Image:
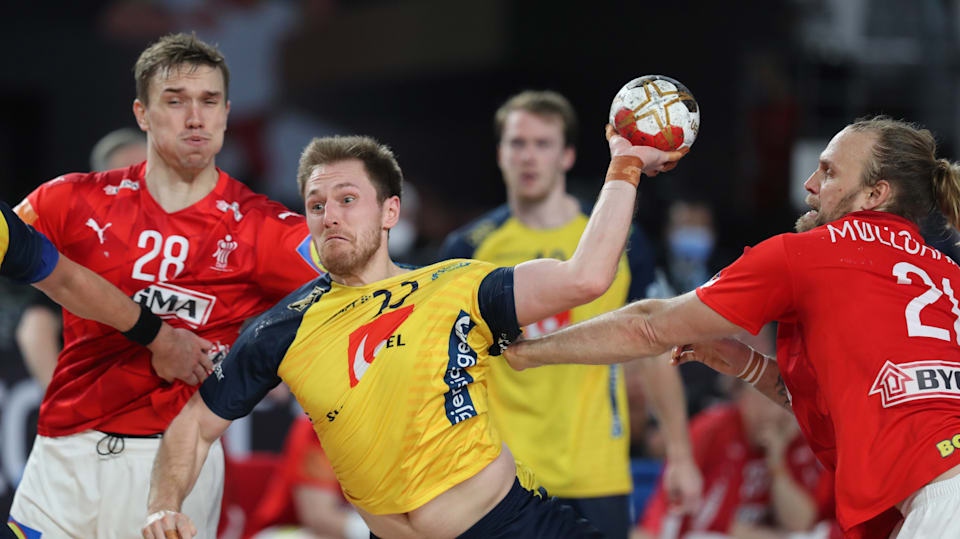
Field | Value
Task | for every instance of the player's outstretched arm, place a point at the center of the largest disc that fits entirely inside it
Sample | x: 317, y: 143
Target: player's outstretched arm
x: 545, y: 287
x: 177, y: 465
x: 733, y: 358
x: 177, y: 353
x: 641, y: 329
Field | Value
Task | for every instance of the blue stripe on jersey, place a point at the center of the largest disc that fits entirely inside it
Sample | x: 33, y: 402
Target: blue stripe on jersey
x: 30, y: 256
x: 457, y: 401
x: 250, y: 369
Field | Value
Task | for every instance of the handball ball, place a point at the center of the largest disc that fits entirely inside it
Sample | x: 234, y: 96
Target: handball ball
x: 657, y: 111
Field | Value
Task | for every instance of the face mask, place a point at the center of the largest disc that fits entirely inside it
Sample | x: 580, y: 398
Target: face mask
x: 691, y: 242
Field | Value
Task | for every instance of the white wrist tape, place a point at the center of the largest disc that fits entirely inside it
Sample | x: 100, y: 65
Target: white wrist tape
x: 157, y: 516
x: 753, y: 371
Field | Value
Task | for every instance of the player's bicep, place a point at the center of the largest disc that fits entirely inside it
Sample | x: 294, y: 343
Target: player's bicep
x: 545, y: 287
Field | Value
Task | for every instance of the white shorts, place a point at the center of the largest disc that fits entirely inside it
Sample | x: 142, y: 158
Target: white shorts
x: 69, y: 489
x: 931, y: 511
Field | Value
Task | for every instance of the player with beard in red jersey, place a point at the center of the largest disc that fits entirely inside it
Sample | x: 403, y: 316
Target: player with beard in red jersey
x: 868, y: 342
x: 187, y: 242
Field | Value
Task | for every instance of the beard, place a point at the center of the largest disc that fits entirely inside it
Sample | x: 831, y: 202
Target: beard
x: 349, y: 259
x: 817, y: 217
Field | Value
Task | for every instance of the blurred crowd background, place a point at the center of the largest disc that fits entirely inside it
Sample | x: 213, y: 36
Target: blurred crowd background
x: 774, y: 79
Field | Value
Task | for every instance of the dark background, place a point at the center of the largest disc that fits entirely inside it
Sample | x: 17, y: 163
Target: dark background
x: 426, y: 76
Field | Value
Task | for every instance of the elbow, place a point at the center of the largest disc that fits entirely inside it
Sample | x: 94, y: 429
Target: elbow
x: 641, y: 334
x: 592, y: 285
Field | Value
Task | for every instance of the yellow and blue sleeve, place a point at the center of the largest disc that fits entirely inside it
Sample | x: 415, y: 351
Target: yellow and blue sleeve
x: 26, y: 256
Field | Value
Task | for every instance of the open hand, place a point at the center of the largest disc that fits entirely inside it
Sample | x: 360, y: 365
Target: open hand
x: 726, y: 356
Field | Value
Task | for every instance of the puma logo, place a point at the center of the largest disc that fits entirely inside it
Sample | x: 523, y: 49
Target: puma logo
x: 96, y: 228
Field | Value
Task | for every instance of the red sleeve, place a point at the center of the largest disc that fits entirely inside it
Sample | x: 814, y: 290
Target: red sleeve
x: 48, y: 206
x: 284, y: 250
x: 755, y: 289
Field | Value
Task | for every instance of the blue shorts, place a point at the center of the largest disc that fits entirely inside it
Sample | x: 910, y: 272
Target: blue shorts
x: 531, y: 515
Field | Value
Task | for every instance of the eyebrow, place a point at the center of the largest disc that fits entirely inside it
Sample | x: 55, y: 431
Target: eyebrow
x: 180, y: 90
x: 336, y: 186
x: 826, y: 163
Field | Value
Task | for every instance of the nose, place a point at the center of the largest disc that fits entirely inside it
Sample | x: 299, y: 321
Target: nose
x: 331, y: 216
x: 812, y: 184
x: 194, y: 116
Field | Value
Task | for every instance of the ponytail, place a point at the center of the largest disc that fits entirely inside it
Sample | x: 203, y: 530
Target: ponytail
x: 946, y: 190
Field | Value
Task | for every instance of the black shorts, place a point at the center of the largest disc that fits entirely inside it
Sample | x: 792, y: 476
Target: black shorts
x: 609, y: 514
x: 530, y: 514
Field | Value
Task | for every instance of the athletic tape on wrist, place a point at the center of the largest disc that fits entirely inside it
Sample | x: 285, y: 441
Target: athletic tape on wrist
x: 627, y: 168
x: 153, y: 517
x: 146, y: 328
x: 754, y: 369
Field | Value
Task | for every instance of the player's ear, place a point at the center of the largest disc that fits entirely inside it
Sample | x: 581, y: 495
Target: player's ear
x: 140, y: 113
x: 878, y: 195
x: 569, y: 158
x: 390, y: 213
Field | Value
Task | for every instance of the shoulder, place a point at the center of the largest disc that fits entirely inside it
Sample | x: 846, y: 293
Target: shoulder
x: 463, y: 242
x: 277, y: 322
x: 257, y: 206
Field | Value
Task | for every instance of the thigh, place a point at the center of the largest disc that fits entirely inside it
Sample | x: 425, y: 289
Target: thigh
x: 609, y: 514
x: 58, y: 494
x: 125, y: 484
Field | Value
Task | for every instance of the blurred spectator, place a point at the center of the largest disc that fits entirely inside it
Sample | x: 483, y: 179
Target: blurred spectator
x: 690, y: 240
x: 119, y: 149
x: 302, y: 497
x: 760, y: 476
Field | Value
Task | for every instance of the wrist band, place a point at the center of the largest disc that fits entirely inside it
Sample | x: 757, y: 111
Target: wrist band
x: 626, y: 168
x: 146, y: 328
x: 756, y: 366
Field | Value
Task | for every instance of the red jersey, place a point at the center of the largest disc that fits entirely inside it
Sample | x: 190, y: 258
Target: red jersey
x: 867, y: 346
x: 207, y: 267
x: 736, y: 480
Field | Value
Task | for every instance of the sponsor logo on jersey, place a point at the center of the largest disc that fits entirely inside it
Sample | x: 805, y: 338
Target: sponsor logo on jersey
x: 458, y: 404
x: 948, y: 446
x: 224, y: 206
x: 315, y: 294
x: 284, y: 215
x: 367, y: 341
x: 309, y: 254
x: 905, y: 382
x: 171, y: 301
x: 225, y: 246
x: 218, y: 352
x: 124, y: 184
x: 96, y: 228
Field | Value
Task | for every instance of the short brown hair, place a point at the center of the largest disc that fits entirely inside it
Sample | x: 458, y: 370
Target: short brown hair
x: 378, y: 160
x: 540, y: 103
x: 172, y: 51
x: 905, y: 155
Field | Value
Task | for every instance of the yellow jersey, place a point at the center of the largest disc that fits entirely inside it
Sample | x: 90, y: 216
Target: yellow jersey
x: 26, y: 256
x: 569, y: 423
x: 392, y: 374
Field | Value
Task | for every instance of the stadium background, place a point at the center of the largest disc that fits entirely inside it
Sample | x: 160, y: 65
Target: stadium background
x: 774, y: 80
